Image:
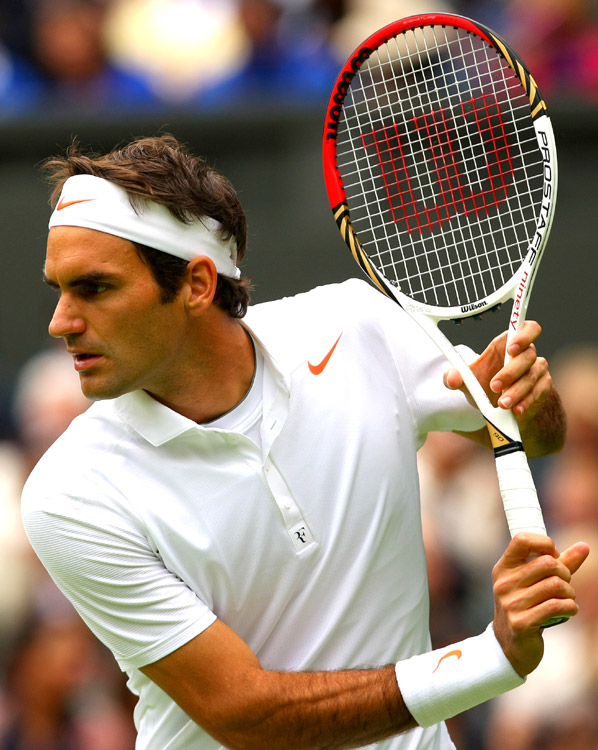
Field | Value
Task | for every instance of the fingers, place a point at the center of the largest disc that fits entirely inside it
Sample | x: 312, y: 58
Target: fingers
x: 528, y: 333
x: 532, y: 582
x: 524, y: 546
x: 524, y: 381
x: 532, y: 587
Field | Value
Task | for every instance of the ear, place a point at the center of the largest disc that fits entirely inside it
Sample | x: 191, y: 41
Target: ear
x: 202, y: 278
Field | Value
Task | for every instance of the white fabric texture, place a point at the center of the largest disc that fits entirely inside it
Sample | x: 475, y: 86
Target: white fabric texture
x: 440, y: 684
x: 309, y: 546
x: 94, y: 203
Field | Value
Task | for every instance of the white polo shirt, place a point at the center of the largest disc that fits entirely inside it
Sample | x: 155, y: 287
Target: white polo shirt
x: 308, y: 546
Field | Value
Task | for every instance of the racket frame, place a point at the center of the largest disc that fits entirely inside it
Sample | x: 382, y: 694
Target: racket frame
x: 512, y: 469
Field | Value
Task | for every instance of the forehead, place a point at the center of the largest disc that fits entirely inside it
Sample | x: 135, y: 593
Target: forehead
x: 75, y: 250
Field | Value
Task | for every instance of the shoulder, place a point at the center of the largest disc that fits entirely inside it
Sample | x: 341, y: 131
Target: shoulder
x: 71, y: 463
x: 350, y: 303
x: 321, y: 296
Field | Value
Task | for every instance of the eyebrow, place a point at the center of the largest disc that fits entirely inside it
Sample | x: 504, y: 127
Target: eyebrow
x: 93, y: 277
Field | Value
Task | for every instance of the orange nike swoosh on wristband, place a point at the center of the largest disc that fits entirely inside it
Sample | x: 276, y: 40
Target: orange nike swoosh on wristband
x: 65, y: 204
x: 456, y: 653
x: 319, y: 369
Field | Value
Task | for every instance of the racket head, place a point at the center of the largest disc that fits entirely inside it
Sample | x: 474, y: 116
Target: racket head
x: 440, y: 165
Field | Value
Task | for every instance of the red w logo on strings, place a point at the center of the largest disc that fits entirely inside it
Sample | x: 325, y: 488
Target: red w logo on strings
x: 448, y: 162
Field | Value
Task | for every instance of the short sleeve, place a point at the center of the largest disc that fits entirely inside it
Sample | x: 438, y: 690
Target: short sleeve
x: 105, y: 566
x: 420, y: 366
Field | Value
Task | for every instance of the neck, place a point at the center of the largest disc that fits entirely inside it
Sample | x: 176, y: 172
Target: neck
x: 217, y: 376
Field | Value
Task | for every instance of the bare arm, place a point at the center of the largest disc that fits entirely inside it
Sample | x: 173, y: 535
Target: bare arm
x: 218, y: 681
x: 220, y: 684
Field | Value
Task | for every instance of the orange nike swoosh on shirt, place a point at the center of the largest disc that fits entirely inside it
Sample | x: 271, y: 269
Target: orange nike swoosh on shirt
x: 65, y: 204
x: 318, y: 369
x: 456, y: 653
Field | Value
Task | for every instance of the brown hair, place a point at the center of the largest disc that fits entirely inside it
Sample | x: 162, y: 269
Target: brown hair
x: 163, y: 170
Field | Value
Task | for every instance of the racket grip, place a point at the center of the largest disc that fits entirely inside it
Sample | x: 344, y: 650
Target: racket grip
x: 520, y: 501
x: 519, y: 495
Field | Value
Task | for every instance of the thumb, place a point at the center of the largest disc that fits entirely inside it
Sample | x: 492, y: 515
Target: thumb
x: 453, y: 379
x: 575, y: 555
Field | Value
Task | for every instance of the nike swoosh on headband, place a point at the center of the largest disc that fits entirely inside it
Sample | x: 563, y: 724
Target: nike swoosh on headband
x: 65, y: 204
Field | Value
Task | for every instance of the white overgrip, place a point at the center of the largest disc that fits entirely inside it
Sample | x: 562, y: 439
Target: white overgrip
x: 519, y: 495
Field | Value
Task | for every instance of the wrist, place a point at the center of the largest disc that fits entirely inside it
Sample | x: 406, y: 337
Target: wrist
x: 443, y: 683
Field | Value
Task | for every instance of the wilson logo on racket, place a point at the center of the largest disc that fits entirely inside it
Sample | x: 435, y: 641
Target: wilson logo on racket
x: 474, y: 133
x: 342, y: 87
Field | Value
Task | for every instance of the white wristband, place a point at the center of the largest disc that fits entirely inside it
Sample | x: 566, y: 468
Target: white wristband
x: 440, y: 684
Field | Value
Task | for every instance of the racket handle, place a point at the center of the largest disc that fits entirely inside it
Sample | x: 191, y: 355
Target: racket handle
x: 519, y: 495
x: 520, y: 501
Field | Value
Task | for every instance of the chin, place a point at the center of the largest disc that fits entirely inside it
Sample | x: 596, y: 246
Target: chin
x: 102, y: 391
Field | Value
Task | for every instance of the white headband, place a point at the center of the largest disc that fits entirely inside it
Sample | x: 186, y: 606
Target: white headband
x: 94, y: 203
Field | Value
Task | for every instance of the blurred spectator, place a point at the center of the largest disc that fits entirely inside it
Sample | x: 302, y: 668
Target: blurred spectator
x: 53, y: 700
x: 575, y: 373
x: 289, y: 58
x: 178, y: 46
x: 67, y: 42
x: 126, y: 55
x: 215, y: 52
x: 558, y: 39
x: 47, y: 397
x: 20, y: 86
x: 46, y: 668
x: 556, y: 708
x: 463, y: 512
x: 489, y: 12
x: 20, y: 83
x: 569, y: 484
x: 364, y: 17
x: 60, y: 689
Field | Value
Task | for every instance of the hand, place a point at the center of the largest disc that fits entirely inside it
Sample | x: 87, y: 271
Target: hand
x: 532, y: 584
x: 523, y: 384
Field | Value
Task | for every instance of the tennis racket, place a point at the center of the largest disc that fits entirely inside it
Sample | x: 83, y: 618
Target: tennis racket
x: 441, y: 171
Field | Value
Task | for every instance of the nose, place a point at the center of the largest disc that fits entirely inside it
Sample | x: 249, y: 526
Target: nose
x: 66, y: 320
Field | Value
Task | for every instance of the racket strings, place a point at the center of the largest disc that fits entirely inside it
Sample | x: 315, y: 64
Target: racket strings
x: 440, y: 164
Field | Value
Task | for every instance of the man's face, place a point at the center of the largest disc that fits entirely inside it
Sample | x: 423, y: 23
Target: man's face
x: 121, y: 336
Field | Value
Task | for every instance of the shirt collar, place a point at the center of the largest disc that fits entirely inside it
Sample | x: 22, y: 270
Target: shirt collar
x: 158, y: 424
x: 152, y: 420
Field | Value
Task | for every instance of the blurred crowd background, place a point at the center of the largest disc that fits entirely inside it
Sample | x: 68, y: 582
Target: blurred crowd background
x: 143, y: 54
x: 59, y: 688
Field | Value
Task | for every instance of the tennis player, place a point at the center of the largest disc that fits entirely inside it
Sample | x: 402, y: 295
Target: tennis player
x: 237, y: 517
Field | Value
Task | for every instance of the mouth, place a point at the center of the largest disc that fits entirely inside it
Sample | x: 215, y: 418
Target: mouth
x: 85, y: 360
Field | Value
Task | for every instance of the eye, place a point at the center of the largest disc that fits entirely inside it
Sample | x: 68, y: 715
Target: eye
x: 92, y: 289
